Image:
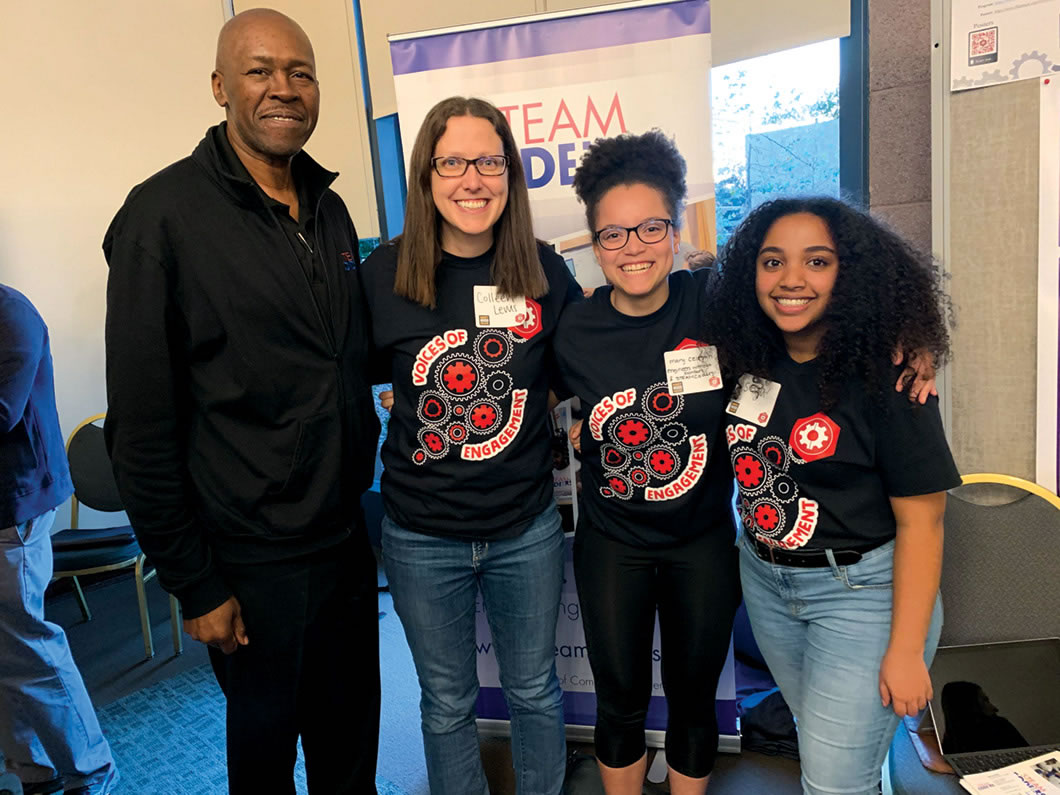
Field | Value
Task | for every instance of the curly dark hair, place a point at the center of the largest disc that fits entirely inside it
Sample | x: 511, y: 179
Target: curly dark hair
x: 887, y: 297
x: 648, y: 159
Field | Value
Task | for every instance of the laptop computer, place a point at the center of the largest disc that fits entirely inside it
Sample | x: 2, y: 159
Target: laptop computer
x: 996, y: 704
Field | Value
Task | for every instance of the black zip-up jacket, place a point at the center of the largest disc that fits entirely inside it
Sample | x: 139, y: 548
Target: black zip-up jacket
x: 240, y: 420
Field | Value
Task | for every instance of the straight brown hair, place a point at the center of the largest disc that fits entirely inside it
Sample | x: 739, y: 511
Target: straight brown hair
x: 516, y: 268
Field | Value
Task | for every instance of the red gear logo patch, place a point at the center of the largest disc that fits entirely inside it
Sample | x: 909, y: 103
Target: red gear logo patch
x: 633, y: 433
x: 460, y: 377
x: 815, y: 437
x: 749, y: 471
x: 531, y: 326
x: 766, y: 516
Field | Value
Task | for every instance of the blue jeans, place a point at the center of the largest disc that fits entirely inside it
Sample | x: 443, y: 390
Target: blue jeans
x: 823, y: 632
x: 434, y: 582
x: 48, y: 727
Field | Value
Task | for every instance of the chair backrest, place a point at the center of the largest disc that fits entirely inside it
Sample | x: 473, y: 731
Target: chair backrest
x: 1000, y: 578
x: 90, y: 469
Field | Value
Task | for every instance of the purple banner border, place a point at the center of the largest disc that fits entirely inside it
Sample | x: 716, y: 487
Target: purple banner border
x: 551, y: 36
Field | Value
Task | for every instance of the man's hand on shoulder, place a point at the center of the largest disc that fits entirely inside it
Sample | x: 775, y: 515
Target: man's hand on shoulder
x: 221, y: 628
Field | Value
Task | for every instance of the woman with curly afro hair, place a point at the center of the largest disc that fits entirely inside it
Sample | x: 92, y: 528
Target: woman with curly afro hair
x: 655, y: 532
x: 842, y: 480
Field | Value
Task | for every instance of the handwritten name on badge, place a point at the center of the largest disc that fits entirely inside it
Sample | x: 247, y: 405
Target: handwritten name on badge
x: 493, y: 311
x: 753, y: 399
x: 693, y: 370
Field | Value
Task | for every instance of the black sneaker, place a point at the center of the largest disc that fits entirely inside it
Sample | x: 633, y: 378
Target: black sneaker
x: 43, y: 787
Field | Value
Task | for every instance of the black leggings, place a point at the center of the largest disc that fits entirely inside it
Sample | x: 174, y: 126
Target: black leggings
x: 696, y: 587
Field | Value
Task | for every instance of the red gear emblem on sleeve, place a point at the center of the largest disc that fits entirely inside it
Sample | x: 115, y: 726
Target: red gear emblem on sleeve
x: 814, y: 438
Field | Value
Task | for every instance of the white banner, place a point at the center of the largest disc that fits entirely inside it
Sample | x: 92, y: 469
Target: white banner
x: 564, y: 80
x: 997, y: 41
x: 1048, y: 448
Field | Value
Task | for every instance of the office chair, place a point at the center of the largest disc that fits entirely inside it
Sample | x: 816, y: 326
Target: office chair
x: 79, y: 551
x: 999, y: 583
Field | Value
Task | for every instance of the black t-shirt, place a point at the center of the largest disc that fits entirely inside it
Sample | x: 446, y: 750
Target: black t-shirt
x: 467, y: 452
x: 817, y: 480
x: 646, y: 479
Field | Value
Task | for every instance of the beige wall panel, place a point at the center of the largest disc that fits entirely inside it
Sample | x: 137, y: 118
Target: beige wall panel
x: 115, y: 91
x: 340, y: 141
x: 741, y: 28
x: 994, y: 265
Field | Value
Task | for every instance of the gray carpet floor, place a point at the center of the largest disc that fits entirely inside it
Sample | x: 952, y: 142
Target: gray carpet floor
x: 164, y: 716
x: 168, y: 739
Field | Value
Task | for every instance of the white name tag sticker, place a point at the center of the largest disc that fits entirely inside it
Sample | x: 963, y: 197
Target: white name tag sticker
x: 693, y: 370
x: 493, y: 311
x: 753, y: 399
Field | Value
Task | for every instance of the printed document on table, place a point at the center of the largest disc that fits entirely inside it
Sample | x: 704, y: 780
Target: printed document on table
x: 1038, y: 776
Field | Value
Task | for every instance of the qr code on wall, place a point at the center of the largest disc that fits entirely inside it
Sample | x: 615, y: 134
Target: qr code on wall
x: 982, y: 46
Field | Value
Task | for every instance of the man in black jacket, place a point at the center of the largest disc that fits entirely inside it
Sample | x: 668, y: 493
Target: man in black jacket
x: 240, y: 418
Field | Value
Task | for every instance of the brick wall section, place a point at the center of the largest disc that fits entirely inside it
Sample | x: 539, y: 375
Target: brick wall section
x: 900, y: 116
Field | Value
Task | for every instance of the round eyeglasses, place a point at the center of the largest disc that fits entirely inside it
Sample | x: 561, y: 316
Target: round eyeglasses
x: 487, y: 166
x: 651, y: 231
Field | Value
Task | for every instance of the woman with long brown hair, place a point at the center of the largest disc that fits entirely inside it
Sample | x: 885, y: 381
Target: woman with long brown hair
x: 464, y: 304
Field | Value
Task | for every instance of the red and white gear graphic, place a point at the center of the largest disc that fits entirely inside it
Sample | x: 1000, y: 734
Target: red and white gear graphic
x: 432, y: 445
x: 749, y: 471
x: 493, y: 348
x: 633, y: 433
x: 767, y: 518
x: 775, y: 452
x: 433, y: 407
x: 469, y: 395
x: 631, y: 430
x: 658, y: 401
x: 498, y: 384
x: 784, y: 488
x: 484, y: 416
x: 673, y: 434
x: 663, y: 462
x: 612, y: 457
x: 617, y: 486
x: 815, y: 437
x: 531, y: 324
x: 459, y: 376
x: 745, y: 513
x: 638, y: 476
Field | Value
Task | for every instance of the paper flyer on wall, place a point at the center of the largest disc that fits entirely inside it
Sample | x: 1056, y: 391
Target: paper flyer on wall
x: 999, y: 41
x: 1038, y: 776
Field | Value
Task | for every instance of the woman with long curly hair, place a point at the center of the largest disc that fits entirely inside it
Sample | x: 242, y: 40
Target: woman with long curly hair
x: 464, y: 307
x: 842, y: 480
x: 655, y: 532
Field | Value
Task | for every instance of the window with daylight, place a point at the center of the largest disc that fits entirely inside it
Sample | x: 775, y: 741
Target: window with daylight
x: 776, y: 129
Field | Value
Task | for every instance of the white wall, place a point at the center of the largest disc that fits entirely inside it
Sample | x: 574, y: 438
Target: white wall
x: 99, y: 97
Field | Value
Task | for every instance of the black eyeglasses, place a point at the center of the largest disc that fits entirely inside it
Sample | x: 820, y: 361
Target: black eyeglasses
x: 651, y: 231
x: 487, y: 166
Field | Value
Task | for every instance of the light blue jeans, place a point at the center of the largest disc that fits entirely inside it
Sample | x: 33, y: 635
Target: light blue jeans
x: 823, y: 632
x: 434, y: 582
x: 48, y: 727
